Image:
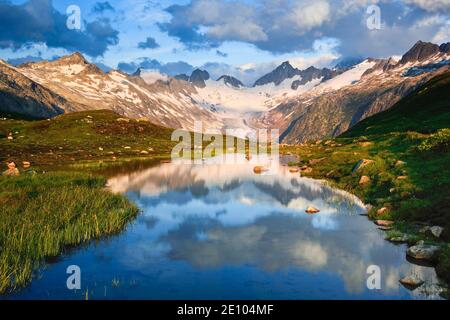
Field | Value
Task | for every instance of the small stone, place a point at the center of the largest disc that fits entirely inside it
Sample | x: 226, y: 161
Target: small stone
x: 384, y: 223
x: 361, y: 164
x: 100, y: 148
x: 385, y: 228
x: 382, y: 211
x: 402, y: 178
x: 10, y: 138
x: 364, y: 180
x: 312, y: 210
x: 392, y: 190
x: 144, y: 152
x: 259, y: 169
x: 307, y: 169
x: 294, y: 170
x: 127, y: 147
x: 26, y: 164
x: 12, y: 170
x: 405, y: 195
x: 412, y: 281
x: 316, y: 161
x: 329, y: 174
x: 400, y: 163
x: 365, y: 144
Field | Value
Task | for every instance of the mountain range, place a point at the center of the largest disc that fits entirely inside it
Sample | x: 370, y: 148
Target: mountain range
x: 305, y: 105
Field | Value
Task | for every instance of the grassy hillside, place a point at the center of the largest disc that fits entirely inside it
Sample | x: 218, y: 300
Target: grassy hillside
x: 409, y: 178
x: 81, y: 136
x: 59, y: 201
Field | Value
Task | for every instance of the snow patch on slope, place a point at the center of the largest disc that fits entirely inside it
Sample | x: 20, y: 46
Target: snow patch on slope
x: 347, y: 78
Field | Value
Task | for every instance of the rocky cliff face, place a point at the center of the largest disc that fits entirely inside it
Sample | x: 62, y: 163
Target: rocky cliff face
x: 231, y: 81
x: 277, y: 76
x: 21, y: 95
x: 85, y: 86
x: 327, y: 113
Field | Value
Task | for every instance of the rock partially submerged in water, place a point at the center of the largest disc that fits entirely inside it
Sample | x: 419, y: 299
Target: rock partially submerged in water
x: 294, y: 170
x: 384, y: 223
x: 422, y: 251
x: 259, y: 169
x: 312, y: 210
x: 399, y: 239
x: 411, y: 282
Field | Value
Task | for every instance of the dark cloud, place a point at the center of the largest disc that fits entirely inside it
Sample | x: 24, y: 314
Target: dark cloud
x: 18, y: 61
x: 36, y: 21
x: 101, y: 7
x: 149, y: 43
x: 283, y: 26
x: 221, y: 54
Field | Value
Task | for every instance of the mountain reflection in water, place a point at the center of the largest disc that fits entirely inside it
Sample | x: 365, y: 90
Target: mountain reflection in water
x: 219, y: 231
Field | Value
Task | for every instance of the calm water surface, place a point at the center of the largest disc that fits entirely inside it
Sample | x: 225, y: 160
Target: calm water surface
x: 215, y: 231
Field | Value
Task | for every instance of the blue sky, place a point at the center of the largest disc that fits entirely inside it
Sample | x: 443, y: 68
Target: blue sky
x: 244, y: 38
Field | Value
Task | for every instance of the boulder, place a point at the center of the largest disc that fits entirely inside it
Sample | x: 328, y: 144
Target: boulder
x: 364, y: 180
x: 412, y: 281
x: 436, y: 231
x: 294, y: 170
x: 422, y: 251
x: 361, y: 164
x: 12, y: 170
x: 312, y: 210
